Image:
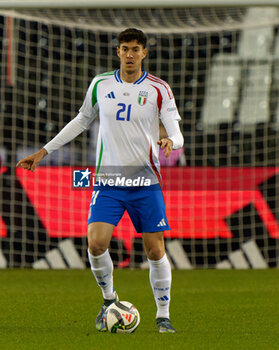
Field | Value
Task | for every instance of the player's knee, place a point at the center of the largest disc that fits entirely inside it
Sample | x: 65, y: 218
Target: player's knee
x: 95, y: 248
x: 155, y: 253
x: 98, y: 239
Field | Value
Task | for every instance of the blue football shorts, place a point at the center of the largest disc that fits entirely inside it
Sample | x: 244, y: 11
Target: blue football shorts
x: 145, y: 206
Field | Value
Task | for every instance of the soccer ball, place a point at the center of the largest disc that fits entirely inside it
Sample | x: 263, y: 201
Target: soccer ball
x: 122, y: 317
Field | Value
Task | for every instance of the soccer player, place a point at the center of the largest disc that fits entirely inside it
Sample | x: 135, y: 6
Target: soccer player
x: 130, y: 102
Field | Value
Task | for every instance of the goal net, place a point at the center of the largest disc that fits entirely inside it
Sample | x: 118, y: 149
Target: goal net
x: 220, y: 190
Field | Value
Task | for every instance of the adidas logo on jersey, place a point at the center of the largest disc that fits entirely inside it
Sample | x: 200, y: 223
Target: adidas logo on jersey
x: 110, y: 95
x: 162, y: 223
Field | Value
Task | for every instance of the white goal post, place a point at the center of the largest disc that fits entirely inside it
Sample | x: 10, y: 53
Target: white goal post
x: 221, y: 61
x: 89, y: 4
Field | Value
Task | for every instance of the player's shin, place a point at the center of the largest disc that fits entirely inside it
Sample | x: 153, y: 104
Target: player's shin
x: 160, y: 280
x: 102, y: 268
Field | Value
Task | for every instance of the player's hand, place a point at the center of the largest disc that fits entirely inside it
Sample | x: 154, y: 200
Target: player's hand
x: 166, y: 145
x: 32, y: 161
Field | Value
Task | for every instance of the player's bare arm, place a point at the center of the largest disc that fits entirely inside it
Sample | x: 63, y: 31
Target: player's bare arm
x: 32, y: 161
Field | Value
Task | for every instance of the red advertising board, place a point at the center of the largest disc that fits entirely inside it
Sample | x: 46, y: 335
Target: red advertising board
x: 198, y: 200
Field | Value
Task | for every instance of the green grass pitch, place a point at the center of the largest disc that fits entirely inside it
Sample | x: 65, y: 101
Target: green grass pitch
x: 211, y: 310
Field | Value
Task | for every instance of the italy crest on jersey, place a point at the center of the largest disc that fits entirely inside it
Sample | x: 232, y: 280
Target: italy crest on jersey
x: 142, y: 97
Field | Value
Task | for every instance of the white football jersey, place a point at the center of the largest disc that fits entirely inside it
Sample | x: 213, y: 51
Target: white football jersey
x: 129, y: 123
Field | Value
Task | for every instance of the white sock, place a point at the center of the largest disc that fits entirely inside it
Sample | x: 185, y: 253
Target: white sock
x: 160, y: 280
x: 102, y: 268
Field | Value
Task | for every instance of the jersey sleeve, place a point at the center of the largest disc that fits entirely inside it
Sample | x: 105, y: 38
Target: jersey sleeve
x: 168, y: 109
x: 90, y: 106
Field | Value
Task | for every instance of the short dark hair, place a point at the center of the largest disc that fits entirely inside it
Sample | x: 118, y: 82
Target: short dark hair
x: 131, y: 34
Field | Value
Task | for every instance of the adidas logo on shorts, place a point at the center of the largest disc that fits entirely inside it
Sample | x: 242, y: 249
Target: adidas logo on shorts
x: 162, y: 223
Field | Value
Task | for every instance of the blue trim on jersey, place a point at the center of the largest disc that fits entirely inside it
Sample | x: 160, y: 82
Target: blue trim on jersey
x: 117, y: 76
x: 141, y: 78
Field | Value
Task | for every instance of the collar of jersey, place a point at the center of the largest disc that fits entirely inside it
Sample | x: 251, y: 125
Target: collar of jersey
x: 119, y: 80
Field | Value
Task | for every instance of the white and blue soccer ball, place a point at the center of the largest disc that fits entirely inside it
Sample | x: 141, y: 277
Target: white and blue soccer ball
x: 122, y: 317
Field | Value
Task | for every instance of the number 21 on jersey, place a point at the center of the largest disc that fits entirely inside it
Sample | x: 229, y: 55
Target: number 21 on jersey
x: 124, y: 112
